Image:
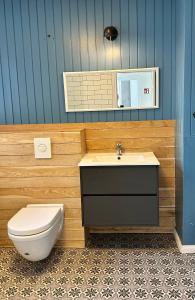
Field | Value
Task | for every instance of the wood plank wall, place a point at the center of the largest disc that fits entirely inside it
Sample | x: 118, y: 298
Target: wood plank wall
x: 24, y: 179
x: 20, y: 173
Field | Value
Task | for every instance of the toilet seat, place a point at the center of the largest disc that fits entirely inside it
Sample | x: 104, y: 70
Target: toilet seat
x: 33, y: 220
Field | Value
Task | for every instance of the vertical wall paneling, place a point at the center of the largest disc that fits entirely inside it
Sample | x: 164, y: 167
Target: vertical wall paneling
x: 185, y: 141
x: 42, y: 38
x: 36, y: 61
x: 2, y: 102
x: 99, y: 25
x: 133, y: 40
x: 159, y: 14
x: 105, y: 10
x: 25, y: 13
x: 67, y: 42
x: 12, y: 58
x: 21, y: 64
x: 142, y: 43
x: 167, y: 59
x: 95, y: 10
x: 125, y: 48
x: 116, y: 50
x: 116, y: 45
x: 83, y: 37
x: 49, y: 13
x: 173, y: 60
x: 75, y: 33
x: 84, y: 43
x: 60, y: 63
x: 44, y: 61
x: 91, y: 24
x: 188, y: 138
x: 150, y: 39
x: 193, y: 73
x: 180, y: 62
x: 5, y: 68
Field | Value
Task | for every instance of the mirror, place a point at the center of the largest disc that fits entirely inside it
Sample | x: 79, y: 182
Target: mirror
x: 112, y: 90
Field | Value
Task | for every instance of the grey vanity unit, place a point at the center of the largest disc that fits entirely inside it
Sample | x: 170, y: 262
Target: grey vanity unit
x: 120, y: 192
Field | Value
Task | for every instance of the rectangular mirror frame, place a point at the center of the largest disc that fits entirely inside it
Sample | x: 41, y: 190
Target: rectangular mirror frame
x: 87, y: 73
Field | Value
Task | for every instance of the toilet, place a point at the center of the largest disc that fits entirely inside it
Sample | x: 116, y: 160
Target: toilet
x: 35, y: 229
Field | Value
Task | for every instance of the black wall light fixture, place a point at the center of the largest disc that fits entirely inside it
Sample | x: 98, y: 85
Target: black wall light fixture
x: 110, y: 33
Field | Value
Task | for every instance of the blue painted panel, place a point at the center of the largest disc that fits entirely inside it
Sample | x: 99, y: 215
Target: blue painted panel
x: 193, y: 72
x: 60, y: 61
x: 167, y: 60
x: 21, y: 64
x: 180, y: 62
x: 26, y: 32
x: 141, y: 43
x: 51, y: 46
x: 2, y: 101
x: 74, y: 29
x: 116, y: 54
x: 42, y: 35
x: 67, y: 43
x: 41, y: 39
x: 159, y: 59
x: 189, y: 192
x: 173, y: 45
x: 125, y: 49
x: 5, y: 68
x: 84, y: 49
x: 185, y: 141
x: 36, y: 62
x: 12, y: 61
x: 133, y: 40
x: 150, y: 42
x: 107, y: 20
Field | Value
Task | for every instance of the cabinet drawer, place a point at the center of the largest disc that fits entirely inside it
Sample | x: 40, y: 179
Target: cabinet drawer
x: 120, y: 210
x: 119, y: 180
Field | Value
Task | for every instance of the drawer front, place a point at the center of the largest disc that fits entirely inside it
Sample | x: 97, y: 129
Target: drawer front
x: 120, y: 210
x: 119, y: 180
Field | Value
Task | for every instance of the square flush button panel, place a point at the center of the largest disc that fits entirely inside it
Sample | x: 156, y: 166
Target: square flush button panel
x: 42, y: 147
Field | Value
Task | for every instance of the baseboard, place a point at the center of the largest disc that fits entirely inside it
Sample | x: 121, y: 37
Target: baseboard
x: 183, y: 248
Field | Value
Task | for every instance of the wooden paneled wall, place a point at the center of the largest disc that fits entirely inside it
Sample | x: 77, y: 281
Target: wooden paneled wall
x: 26, y: 180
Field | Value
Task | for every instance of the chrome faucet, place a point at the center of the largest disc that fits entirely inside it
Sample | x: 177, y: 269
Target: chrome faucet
x: 119, y: 149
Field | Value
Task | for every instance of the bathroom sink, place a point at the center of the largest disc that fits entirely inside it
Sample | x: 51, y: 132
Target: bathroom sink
x: 111, y: 159
x: 119, y: 159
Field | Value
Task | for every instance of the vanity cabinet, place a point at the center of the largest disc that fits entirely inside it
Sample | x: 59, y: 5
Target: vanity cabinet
x: 119, y: 195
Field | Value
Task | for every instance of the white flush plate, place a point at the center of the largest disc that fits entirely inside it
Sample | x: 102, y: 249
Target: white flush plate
x: 42, y: 147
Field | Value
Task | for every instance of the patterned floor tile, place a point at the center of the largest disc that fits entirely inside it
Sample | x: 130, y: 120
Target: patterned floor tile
x: 130, y: 266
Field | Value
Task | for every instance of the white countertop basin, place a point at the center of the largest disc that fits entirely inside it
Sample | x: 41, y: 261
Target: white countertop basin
x: 111, y: 159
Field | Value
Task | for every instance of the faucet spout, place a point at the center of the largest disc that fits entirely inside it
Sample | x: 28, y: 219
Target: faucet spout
x: 119, y: 149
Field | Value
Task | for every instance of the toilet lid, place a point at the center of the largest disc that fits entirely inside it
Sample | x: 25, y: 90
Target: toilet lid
x: 33, y: 220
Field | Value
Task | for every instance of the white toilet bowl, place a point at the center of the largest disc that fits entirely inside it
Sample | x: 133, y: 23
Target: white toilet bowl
x: 35, y: 229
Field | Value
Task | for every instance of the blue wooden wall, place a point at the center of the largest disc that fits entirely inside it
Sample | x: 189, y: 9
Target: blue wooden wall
x: 189, y: 126
x: 185, y: 135
x: 180, y: 67
x: 39, y: 39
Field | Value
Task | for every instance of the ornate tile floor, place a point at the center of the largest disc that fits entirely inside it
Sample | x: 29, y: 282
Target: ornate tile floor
x: 136, y: 267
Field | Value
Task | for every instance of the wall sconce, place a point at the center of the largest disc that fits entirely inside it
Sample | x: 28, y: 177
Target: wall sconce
x: 110, y: 33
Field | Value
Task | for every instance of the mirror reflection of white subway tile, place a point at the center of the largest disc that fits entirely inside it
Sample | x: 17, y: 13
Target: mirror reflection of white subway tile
x: 112, y: 90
